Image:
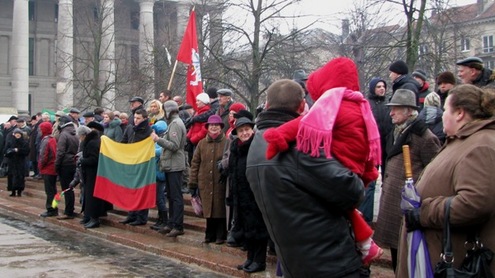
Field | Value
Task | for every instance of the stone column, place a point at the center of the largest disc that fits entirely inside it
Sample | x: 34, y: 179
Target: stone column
x: 20, y: 56
x: 65, y: 53
x: 107, y: 50
x: 146, y: 45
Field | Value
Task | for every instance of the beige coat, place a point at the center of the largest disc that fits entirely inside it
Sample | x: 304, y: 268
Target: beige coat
x: 205, y: 174
x: 464, y: 168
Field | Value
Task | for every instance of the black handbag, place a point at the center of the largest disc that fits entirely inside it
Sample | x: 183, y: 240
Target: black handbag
x: 477, y: 261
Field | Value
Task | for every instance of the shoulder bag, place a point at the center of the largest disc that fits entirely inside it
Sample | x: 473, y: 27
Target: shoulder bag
x: 476, y: 262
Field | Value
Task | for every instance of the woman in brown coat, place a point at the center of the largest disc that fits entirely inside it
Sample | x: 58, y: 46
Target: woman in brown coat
x: 463, y: 169
x: 205, y: 176
x: 424, y: 145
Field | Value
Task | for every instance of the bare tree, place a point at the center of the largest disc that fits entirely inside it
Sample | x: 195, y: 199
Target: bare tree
x: 253, y: 50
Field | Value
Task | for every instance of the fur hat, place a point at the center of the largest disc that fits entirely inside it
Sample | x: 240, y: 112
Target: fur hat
x: 399, y: 67
x: 446, y: 77
x: 204, y: 98
x: 96, y: 126
x: 419, y: 74
x: 339, y: 72
x: 244, y: 113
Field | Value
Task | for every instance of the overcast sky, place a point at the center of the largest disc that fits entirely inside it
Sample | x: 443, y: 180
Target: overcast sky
x: 331, y: 12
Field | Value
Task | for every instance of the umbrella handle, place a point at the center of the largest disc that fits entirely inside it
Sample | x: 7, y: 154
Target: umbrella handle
x: 407, y: 161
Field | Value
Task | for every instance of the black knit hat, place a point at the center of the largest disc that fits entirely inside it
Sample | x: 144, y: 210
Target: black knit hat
x: 399, y: 67
x: 420, y: 74
x: 446, y: 77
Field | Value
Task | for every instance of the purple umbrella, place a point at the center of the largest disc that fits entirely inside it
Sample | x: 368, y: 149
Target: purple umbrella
x: 418, y: 258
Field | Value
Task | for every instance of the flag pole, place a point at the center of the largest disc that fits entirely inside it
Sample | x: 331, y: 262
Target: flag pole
x: 175, y: 66
x: 172, y: 76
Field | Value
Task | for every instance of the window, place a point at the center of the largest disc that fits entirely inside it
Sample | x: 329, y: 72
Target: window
x: 56, y: 13
x: 31, y: 56
x: 487, y: 44
x: 135, y: 20
x: 465, y: 44
x: 31, y: 11
x: 489, y: 64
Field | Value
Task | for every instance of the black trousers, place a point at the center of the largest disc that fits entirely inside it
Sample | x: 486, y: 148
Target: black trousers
x: 256, y: 250
x: 175, y: 200
x: 66, y: 175
x: 216, y: 229
x: 50, y: 182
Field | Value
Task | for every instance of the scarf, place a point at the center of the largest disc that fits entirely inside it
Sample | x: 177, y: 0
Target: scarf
x: 316, y: 127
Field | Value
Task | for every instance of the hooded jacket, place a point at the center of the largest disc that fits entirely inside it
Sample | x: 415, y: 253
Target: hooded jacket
x: 173, y: 157
x: 113, y: 130
x: 381, y: 112
x: 48, y: 150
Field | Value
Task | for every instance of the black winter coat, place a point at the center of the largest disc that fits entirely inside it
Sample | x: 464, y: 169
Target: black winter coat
x: 407, y: 82
x: 381, y: 113
x: 304, y: 202
x: 93, y: 207
x: 249, y: 213
x: 16, y: 162
x: 137, y: 133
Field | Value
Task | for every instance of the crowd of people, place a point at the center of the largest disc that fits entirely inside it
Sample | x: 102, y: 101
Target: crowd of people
x: 300, y: 174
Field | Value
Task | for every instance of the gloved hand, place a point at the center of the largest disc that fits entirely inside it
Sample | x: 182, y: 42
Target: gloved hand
x: 412, y: 220
x: 194, y: 191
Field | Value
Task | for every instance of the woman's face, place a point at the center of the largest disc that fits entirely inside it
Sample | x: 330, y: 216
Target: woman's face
x: 199, y: 103
x: 154, y: 108
x: 449, y: 118
x: 231, y: 116
x: 244, y: 132
x: 214, y: 129
x: 106, y: 119
x: 17, y: 135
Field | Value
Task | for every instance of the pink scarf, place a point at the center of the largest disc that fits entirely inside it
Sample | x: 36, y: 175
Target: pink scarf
x: 316, y: 127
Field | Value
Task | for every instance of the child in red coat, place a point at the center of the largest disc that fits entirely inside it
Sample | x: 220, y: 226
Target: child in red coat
x: 340, y: 124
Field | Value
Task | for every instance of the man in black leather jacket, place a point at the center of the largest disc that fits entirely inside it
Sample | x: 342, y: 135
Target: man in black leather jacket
x: 303, y: 199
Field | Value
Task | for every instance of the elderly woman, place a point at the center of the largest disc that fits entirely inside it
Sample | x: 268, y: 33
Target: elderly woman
x: 463, y: 169
x: 205, y: 176
x: 255, y: 233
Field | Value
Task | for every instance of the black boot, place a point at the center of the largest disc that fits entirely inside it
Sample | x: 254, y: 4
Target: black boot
x: 12, y: 194
x: 127, y: 220
x: 161, y: 222
x: 19, y: 193
x: 93, y: 223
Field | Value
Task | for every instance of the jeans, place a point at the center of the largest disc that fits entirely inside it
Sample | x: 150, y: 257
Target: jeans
x: 50, y: 190
x: 366, y: 207
x: 175, y: 200
x: 66, y: 175
x: 161, y: 201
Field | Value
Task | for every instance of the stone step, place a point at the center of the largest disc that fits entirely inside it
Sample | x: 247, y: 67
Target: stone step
x: 187, y: 248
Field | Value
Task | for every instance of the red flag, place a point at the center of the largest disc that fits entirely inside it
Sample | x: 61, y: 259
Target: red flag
x: 189, y: 54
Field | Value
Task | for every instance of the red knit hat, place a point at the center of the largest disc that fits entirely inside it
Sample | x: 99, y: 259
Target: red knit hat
x: 339, y: 72
x: 236, y: 107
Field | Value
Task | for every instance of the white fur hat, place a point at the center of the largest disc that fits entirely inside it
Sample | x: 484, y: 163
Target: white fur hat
x: 204, y: 98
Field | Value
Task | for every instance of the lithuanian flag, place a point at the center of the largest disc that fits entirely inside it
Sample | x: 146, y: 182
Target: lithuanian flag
x: 126, y: 174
